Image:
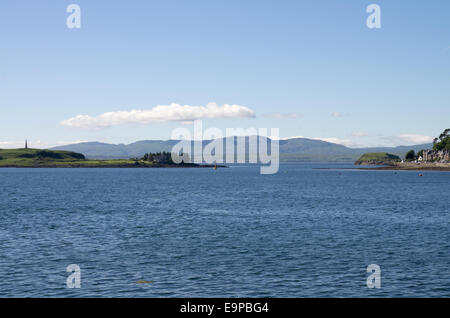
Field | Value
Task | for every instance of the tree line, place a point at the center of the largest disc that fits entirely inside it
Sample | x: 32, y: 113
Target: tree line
x: 160, y: 158
x: 443, y: 141
x: 439, y: 143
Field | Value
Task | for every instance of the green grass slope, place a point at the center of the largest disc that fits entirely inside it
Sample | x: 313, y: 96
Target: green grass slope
x: 39, y: 158
x: 377, y: 158
x: 33, y: 157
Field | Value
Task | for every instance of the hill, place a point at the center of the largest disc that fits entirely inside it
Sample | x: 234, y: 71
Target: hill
x: 43, y: 158
x: 377, y: 158
x: 291, y: 150
x: 33, y: 157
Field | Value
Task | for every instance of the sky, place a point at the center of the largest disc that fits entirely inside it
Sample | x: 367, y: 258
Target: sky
x: 136, y: 70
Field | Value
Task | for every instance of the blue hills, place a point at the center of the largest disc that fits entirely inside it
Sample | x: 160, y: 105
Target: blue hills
x: 291, y: 150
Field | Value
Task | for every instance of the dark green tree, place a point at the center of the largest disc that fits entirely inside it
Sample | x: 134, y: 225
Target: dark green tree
x: 443, y: 142
x: 159, y: 157
x: 410, y: 155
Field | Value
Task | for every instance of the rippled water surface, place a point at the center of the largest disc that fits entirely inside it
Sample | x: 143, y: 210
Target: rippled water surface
x: 303, y: 232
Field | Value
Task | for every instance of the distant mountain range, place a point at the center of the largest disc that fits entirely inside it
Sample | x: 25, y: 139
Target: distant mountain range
x: 291, y: 150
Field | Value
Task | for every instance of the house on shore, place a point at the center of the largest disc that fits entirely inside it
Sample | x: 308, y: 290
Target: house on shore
x: 436, y: 156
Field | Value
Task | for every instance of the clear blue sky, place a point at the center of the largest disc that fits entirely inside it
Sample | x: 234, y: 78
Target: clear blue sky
x: 311, y: 68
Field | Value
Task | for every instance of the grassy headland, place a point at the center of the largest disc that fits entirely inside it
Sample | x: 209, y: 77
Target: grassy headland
x: 377, y: 158
x: 436, y: 159
x: 392, y: 162
x: 39, y: 158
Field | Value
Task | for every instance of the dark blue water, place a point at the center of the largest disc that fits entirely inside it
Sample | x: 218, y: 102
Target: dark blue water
x: 231, y: 232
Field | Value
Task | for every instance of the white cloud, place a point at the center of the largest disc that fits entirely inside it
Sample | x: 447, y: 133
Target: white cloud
x: 11, y: 144
x: 38, y: 144
x: 281, y: 116
x: 359, y: 134
x: 338, y: 114
x: 160, y: 113
x: 339, y: 141
x: 285, y: 138
x: 409, y: 139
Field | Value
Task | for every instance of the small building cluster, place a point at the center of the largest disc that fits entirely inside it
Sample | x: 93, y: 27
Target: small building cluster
x: 436, y: 156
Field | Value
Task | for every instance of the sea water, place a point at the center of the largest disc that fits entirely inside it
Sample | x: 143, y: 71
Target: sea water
x: 231, y: 232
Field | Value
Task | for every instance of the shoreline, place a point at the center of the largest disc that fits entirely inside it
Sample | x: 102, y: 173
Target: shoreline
x: 412, y: 167
x: 408, y: 168
x: 43, y: 158
x: 111, y: 166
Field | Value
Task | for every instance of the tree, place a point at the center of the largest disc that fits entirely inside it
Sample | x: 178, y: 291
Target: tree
x: 443, y: 142
x: 410, y: 155
x: 444, y: 134
x: 159, y: 157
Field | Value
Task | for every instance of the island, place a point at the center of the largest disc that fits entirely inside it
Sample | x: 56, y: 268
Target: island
x: 43, y: 158
x: 378, y: 158
x: 437, y: 158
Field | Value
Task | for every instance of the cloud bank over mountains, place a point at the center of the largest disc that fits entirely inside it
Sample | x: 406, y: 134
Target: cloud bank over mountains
x: 409, y: 139
x: 281, y: 116
x: 186, y: 114
x: 160, y: 113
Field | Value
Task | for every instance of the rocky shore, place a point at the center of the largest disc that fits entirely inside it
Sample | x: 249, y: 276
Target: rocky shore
x: 420, y: 166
